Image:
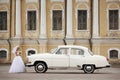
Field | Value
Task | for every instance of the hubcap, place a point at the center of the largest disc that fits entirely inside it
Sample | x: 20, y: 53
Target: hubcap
x: 40, y: 67
x: 88, y: 68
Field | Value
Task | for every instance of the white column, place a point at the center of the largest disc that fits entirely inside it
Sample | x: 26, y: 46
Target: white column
x: 95, y: 20
x: 18, y: 19
x: 43, y: 19
x: 69, y: 19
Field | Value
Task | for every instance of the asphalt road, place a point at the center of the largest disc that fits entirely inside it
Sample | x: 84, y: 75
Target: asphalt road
x: 102, y: 74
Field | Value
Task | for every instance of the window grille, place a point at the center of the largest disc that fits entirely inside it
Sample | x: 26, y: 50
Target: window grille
x: 31, y: 20
x: 3, y: 20
x: 82, y: 20
x: 57, y: 20
x: 113, y: 19
x: 114, y: 54
x: 3, y: 54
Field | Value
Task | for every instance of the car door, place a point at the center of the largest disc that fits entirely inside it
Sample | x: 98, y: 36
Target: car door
x: 77, y: 57
x: 60, y: 58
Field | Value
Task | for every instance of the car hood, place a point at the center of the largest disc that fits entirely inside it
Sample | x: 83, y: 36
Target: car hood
x: 41, y: 55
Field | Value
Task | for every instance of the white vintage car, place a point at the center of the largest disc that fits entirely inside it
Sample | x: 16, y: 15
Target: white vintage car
x: 64, y: 57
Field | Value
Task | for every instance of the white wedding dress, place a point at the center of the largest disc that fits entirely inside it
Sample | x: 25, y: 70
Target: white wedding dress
x: 17, y: 65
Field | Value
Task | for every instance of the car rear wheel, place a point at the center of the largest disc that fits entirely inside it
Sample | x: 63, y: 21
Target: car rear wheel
x: 88, y: 68
x: 40, y: 68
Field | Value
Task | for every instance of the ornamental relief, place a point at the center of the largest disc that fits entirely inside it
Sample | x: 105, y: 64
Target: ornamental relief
x: 112, y: 0
x: 57, y: 34
x: 82, y: 34
x: 57, y: 0
x: 31, y: 1
x: 31, y: 34
x: 82, y: 0
x: 4, y: 1
x: 114, y: 34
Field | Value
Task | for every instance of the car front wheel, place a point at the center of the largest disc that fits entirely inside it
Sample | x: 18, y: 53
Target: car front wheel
x: 40, y: 68
x: 88, y: 68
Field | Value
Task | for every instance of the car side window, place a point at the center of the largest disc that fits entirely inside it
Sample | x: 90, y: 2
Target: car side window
x: 76, y: 51
x: 62, y: 51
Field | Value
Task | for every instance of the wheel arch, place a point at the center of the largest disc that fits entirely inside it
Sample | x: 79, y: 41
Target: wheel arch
x: 88, y: 64
x: 40, y: 62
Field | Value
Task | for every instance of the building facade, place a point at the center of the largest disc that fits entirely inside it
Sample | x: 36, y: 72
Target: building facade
x: 40, y: 25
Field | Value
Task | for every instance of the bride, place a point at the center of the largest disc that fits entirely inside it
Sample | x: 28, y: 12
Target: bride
x: 17, y: 64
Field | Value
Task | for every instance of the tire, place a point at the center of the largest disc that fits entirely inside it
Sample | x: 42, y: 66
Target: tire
x: 40, y: 67
x: 88, y: 68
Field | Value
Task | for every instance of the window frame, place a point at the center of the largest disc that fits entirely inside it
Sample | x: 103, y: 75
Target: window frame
x: 6, y: 53
x: 62, y: 19
x: 86, y: 20
x: 27, y: 20
x: 109, y: 20
x: 77, y: 9
x: 29, y: 50
x: 116, y: 49
x: 7, y: 21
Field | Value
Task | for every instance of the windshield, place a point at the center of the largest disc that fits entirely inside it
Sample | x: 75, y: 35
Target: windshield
x: 91, y: 53
x: 53, y: 50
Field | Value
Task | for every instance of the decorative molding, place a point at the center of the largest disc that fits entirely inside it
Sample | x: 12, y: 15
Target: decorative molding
x: 56, y: 0
x: 4, y: 42
x: 106, y: 41
x: 82, y: 34
x: 110, y: 4
x: 113, y: 34
x: 76, y: 14
x: 109, y: 8
x: 28, y: 8
x: 52, y: 8
x: 57, y: 33
x: 31, y: 1
x: 26, y: 29
x: 3, y: 8
x: 4, y: 1
x: 82, y: 1
x: 112, y: 0
x: 16, y: 41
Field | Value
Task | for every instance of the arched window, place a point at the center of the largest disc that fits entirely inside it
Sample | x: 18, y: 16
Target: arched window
x: 3, y: 54
x: 113, y: 54
x: 31, y: 52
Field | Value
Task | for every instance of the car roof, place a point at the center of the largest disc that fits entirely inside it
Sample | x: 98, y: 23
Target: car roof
x: 72, y: 46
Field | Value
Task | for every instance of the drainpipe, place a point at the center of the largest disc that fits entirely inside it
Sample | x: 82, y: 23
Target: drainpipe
x: 10, y: 18
x: 91, y: 25
x: 10, y: 29
x: 65, y: 23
